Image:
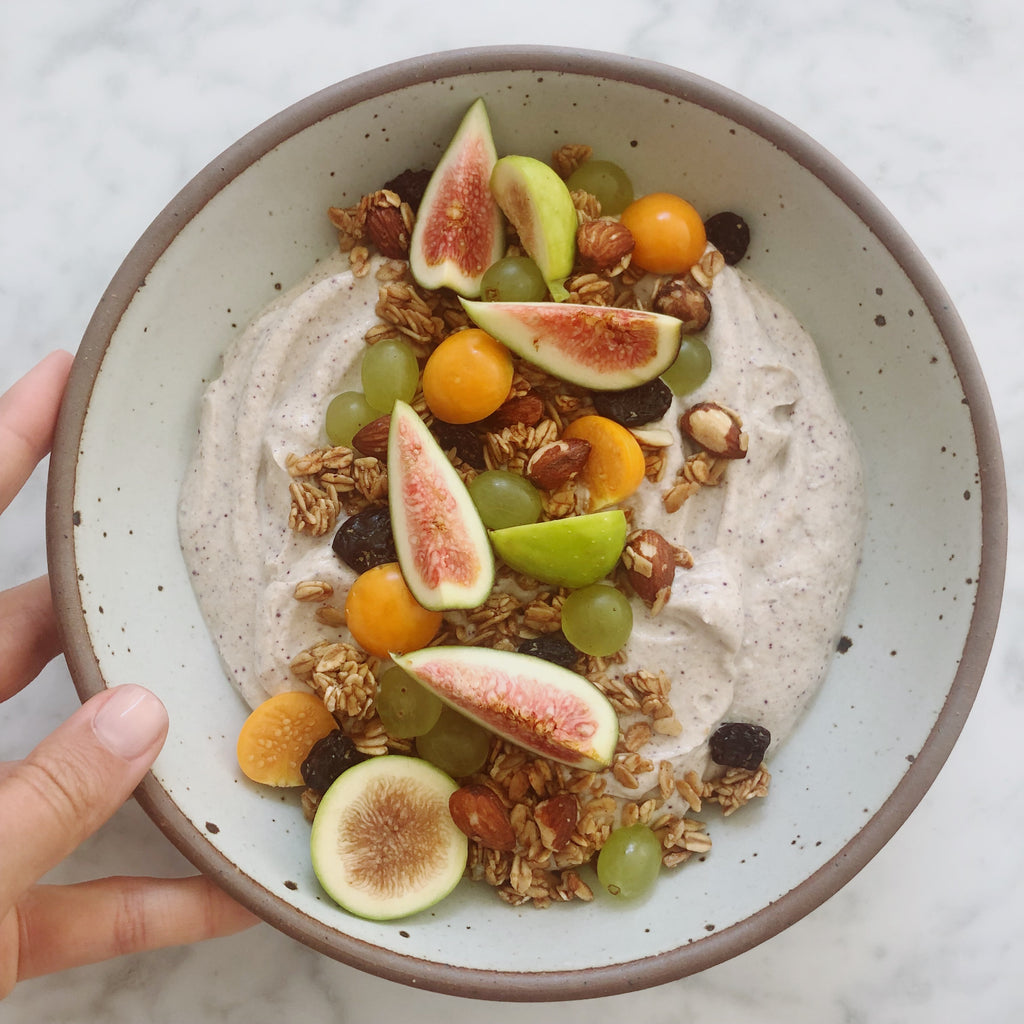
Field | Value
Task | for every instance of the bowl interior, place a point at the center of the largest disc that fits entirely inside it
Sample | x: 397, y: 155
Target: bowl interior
x: 923, y: 611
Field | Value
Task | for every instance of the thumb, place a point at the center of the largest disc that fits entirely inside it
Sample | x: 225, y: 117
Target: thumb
x: 73, y: 781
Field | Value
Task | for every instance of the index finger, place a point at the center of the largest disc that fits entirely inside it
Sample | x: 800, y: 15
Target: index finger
x: 28, y: 415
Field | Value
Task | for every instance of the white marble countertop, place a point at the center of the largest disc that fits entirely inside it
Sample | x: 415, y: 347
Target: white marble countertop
x: 110, y: 107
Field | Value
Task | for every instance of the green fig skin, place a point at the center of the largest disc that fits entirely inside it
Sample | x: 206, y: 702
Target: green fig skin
x: 603, y: 348
x: 537, y: 203
x: 549, y: 710
x: 459, y: 230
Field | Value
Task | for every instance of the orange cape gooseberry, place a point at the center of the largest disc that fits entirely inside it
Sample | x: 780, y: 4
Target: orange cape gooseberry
x: 383, y: 616
x: 467, y: 376
x: 615, y: 466
x: 668, y: 233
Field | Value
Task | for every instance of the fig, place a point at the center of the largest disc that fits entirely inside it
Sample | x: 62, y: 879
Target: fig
x: 459, y: 230
x: 536, y: 704
x: 442, y: 543
x: 571, y: 552
x: 599, y: 347
x: 538, y: 205
x: 384, y: 844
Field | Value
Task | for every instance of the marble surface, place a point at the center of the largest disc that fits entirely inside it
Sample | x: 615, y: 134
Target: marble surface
x: 109, y: 107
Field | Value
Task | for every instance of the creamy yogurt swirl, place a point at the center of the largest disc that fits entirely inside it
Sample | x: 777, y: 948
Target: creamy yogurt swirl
x: 749, y: 630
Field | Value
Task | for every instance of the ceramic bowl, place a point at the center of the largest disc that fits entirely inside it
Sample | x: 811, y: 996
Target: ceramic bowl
x: 924, y: 608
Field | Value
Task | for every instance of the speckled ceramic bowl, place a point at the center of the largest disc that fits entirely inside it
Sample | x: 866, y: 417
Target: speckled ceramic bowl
x: 923, y: 613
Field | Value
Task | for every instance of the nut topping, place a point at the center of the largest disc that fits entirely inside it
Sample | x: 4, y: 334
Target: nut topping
x: 650, y: 564
x: 684, y: 299
x: 555, y: 463
x: 556, y: 819
x: 604, y: 244
x: 389, y: 224
x: 372, y: 440
x: 479, y: 812
x: 527, y: 409
x: 716, y: 428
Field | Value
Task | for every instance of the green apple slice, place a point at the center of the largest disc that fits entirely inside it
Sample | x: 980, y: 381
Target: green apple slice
x: 572, y: 552
x: 538, y: 205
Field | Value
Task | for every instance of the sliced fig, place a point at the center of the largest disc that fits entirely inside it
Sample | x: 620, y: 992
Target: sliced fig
x: 441, y: 542
x: 549, y: 710
x: 600, y: 347
x: 384, y: 844
x: 538, y: 205
x: 459, y: 230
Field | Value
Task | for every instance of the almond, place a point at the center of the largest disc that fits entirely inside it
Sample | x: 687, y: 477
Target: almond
x: 479, y: 812
x: 372, y: 440
x: 554, y: 463
x: 389, y: 227
x: 603, y: 244
x: 716, y: 428
x: 650, y: 564
x: 527, y: 409
x: 556, y: 820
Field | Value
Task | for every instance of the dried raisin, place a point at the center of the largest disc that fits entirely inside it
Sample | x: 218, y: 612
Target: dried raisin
x: 739, y: 745
x: 635, y: 406
x: 551, y: 647
x: 365, y: 539
x: 729, y: 234
x: 327, y: 759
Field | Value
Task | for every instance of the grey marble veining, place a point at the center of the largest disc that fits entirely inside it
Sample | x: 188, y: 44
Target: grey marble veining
x: 109, y: 107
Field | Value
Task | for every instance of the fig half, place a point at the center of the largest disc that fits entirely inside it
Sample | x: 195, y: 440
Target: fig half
x: 442, y: 544
x: 459, y: 230
x: 599, y: 347
x: 549, y: 710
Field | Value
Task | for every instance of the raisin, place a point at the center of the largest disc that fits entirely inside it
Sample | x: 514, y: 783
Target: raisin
x: 365, y: 540
x: 634, y: 406
x: 551, y: 647
x: 328, y: 758
x: 463, y: 439
x: 409, y: 186
x: 729, y: 234
x: 739, y: 745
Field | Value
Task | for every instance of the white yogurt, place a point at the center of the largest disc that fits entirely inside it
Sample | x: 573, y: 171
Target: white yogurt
x: 750, y: 628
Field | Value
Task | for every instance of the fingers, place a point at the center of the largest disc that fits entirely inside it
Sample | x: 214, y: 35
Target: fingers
x: 28, y: 634
x: 28, y: 415
x: 67, y: 926
x: 74, y: 780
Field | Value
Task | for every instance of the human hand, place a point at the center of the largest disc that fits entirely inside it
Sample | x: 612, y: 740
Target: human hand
x: 76, y: 778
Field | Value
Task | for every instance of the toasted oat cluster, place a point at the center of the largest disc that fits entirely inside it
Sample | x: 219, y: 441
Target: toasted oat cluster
x: 532, y: 822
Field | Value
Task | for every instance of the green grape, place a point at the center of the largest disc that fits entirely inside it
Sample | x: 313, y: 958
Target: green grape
x: 691, y: 368
x: 504, y: 498
x: 389, y: 371
x: 597, y: 619
x: 608, y: 181
x: 456, y: 744
x: 629, y: 861
x: 406, y: 707
x: 347, y: 413
x: 513, y: 279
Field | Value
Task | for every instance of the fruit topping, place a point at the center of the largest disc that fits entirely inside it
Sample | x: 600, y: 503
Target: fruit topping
x: 409, y: 186
x: 467, y: 377
x: 691, y: 367
x: 346, y: 415
x: 513, y: 279
x: 461, y: 441
x: 606, y: 181
x: 479, y: 812
x: 635, y: 406
x: 406, y: 708
x: 668, y: 232
x: 729, y: 233
x: 455, y: 744
x: 505, y: 499
x: 538, y: 205
x: 383, y: 843
x: 442, y: 543
x: 536, y: 704
x: 630, y: 861
x: 597, y: 619
x: 570, y: 552
x: 328, y: 758
x: 551, y: 647
x: 600, y: 347
x: 459, y: 229
x: 739, y: 745
x: 389, y: 373
x: 616, y: 465
x: 364, y: 540
x: 383, y: 615
x: 278, y: 734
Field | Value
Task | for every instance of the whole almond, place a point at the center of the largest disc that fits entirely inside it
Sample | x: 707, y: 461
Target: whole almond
x: 386, y: 225
x: 603, y: 244
x: 716, y: 428
x: 555, y: 463
x: 650, y: 564
x: 556, y: 819
x: 480, y: 813
x: 372, y: 439
x: 527, y: 409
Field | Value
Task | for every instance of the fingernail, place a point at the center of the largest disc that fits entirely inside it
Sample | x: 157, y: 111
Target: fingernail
x: 130, y: 721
